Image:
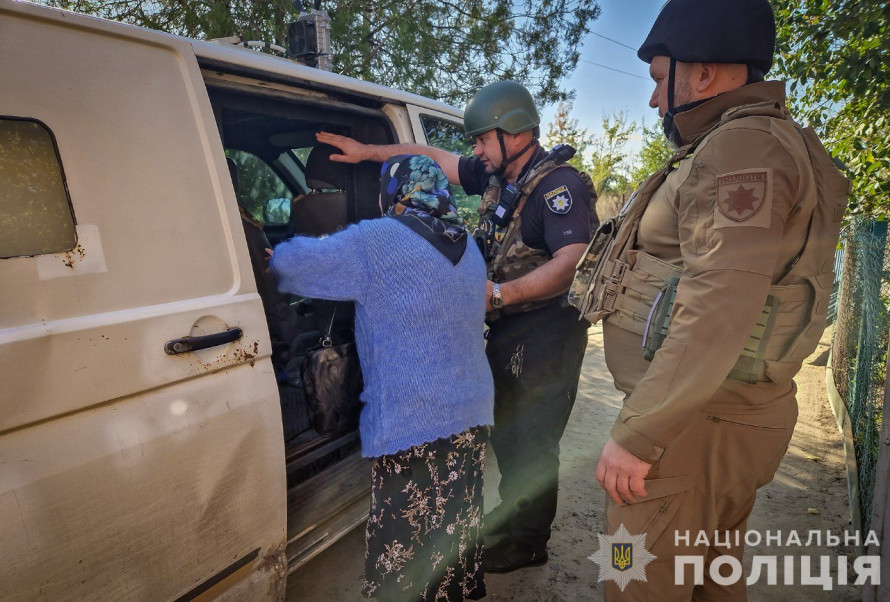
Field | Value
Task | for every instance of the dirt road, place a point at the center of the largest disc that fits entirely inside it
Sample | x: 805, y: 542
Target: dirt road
x: 811, y: 478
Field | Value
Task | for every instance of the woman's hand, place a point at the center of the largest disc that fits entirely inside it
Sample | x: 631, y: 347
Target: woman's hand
x: 269, y: 254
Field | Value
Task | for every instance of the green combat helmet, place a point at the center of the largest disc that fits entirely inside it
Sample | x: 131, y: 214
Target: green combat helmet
x: 505, y: 105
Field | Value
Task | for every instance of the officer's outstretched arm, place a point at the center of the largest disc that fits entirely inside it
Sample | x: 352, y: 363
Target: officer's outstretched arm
x: 547, y: 281
x: 353, y: 151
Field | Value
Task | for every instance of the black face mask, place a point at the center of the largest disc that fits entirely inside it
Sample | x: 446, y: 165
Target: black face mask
x: 670, y: 128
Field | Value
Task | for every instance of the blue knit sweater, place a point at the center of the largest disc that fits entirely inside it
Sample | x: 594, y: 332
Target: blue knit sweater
x: 418, y: 327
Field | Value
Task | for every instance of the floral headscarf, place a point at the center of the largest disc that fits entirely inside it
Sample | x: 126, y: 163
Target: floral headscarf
x: 415, y: 191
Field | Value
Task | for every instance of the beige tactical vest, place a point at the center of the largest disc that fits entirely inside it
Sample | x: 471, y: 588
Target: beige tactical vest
x: 513, y: 258
x: 614, y: 279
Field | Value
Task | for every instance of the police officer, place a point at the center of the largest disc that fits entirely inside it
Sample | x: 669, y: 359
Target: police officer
x: 536, y: 217
x: 721, y: 268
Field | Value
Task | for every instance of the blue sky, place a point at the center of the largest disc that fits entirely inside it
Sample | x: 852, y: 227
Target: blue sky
x: 601, y: 91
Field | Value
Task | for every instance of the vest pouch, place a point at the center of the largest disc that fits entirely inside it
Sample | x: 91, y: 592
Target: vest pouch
x: 658, y: 321
x: 805, y: 315
x: 580, y: 294
x: 641, y: 280
x: 521, y: 259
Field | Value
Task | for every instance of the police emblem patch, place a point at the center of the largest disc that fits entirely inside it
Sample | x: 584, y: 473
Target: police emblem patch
x: 744, y: 198
x: 559, y: 200
x: 622, y: 557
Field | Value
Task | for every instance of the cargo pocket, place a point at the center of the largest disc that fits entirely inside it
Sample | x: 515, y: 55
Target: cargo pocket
x: 655, y: 513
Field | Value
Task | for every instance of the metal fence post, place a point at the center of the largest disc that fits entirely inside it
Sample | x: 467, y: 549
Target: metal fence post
x: 880, y: 518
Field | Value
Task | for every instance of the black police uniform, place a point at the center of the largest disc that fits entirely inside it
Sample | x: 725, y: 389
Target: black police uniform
x: 535, y: 357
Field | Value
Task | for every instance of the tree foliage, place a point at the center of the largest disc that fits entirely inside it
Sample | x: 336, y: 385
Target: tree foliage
x: 443, y: 49
x: 564, y: 129
x: 653, y: 155
x: 834, y: 52
x: 611, y: 164
x: 606, y: 157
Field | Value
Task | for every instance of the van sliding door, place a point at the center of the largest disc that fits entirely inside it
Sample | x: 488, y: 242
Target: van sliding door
x: 141, y: 453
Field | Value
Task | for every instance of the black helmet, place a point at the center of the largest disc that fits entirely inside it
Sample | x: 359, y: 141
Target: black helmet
x: 714, y: 31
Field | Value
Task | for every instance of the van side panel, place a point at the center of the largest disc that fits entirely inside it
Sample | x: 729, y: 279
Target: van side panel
x: 143, y: 499
x: 127, y: 473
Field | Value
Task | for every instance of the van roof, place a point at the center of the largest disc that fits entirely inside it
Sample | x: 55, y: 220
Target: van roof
x: 228, y: 57
x: 242, y: 59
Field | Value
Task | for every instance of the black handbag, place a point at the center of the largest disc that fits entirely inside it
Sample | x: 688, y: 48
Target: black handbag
x: 332, y: 382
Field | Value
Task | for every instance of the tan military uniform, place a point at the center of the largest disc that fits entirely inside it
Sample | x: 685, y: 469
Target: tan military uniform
x: 731, y: 219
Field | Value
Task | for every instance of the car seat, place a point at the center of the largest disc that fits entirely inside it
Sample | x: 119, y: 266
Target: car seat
x: 325, y: 209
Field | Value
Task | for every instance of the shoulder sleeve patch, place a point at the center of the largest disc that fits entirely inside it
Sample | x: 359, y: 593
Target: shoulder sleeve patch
x: 744, y: 198
x: 559, y: 200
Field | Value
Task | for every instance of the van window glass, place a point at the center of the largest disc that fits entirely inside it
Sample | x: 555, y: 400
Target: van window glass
x: 35, y: 211
x: 258, y: 184
x: 449, y: 135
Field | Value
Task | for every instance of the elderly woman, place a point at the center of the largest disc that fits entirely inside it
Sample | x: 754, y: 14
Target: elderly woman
x: 419, y: 293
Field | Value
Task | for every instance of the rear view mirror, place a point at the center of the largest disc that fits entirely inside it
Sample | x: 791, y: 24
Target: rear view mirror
x: 276, y: 211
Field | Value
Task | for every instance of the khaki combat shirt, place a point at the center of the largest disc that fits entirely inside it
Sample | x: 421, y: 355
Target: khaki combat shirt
x: 734, y: 215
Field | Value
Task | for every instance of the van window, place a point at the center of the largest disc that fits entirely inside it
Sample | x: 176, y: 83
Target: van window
x: 446, y: 135
x: 35, y: 210
x: 258, y: 185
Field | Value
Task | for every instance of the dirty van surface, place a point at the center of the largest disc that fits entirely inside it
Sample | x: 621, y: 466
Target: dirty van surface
x: 154, y: 442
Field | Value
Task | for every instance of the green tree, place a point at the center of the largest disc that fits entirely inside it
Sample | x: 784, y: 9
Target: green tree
x: 653, y: 154
x: 564, y: 129
x: 437, y: 48
x: 835, y: 55
x: 611, y: 169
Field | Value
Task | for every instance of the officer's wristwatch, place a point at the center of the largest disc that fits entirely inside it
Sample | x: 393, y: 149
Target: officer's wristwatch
x: 496, y: 300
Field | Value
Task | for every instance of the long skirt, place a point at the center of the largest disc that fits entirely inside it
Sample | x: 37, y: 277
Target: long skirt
x: 424, y: 535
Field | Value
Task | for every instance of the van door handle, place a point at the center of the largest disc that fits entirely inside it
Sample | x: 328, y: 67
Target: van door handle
x: 186, y: 344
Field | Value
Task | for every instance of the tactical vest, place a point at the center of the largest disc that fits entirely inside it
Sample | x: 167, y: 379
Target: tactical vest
x: 512, y: 258
x: 614, y: 279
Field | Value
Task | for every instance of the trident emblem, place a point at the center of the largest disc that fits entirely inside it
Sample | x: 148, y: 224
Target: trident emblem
x: 622, y: 556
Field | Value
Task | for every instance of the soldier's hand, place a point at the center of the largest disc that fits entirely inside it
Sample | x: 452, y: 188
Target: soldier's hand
x: 352, y: 151
x: 621, y: 474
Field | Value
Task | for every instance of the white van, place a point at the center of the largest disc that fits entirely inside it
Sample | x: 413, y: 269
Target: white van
x: 150, y: 448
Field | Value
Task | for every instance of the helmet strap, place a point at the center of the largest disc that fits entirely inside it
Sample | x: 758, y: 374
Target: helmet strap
x: 672, y: 80
x: 505, y: 161
x: 754, y: 75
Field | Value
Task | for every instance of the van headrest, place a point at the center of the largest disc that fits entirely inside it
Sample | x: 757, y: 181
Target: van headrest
x: 321, y: 172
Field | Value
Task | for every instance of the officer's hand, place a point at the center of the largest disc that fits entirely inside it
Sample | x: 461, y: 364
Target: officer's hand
x: 489, y: 289
x: 621, y: 474
x: 353, y: 150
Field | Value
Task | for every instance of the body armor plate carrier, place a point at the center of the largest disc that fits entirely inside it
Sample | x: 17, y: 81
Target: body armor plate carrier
x: 506, y: 255
x: 615, y: 279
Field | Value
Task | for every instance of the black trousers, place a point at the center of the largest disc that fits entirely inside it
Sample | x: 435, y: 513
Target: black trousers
x: 535, y: 358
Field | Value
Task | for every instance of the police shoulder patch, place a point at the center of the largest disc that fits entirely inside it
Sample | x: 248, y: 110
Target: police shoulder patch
x: 559, y: 200
x: 744, y: 198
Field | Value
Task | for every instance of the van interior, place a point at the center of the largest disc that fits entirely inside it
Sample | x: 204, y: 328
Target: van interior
x: 287, y: 185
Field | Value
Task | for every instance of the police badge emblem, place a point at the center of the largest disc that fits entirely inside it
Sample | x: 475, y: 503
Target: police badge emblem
x: 559, y: 200
x: 744, y: 198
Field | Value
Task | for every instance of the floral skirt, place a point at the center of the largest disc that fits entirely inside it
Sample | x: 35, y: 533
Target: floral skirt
x: 424, y: 535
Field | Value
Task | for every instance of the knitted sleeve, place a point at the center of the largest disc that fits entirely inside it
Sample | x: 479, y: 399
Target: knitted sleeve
x: 335, y: 267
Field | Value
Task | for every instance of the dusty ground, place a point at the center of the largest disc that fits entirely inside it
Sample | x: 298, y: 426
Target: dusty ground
x: 811, y: 477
